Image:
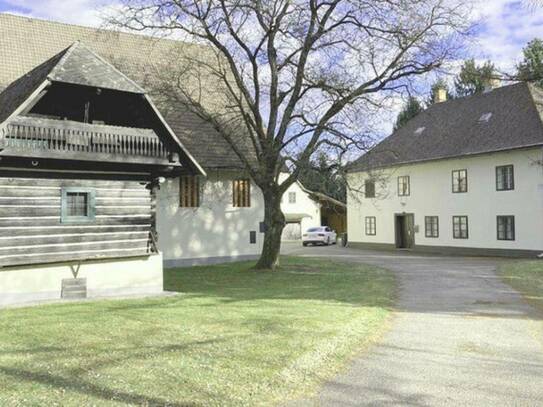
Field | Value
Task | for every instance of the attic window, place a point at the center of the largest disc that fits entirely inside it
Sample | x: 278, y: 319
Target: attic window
x: 485, y: 117
x: 420, y: 130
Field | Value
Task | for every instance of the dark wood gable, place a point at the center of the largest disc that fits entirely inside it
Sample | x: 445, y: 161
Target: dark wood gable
x: 81, y: 158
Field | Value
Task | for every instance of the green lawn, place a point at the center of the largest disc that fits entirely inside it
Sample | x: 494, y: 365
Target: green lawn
x: 233, y: 337
x: 526, y: 277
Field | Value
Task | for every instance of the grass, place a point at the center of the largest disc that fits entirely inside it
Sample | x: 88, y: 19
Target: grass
x: 526, y: 277
x: 233, y: 337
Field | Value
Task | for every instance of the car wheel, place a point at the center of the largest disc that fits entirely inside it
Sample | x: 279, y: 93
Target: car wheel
x: 328, y: 241
x: 304, y: 244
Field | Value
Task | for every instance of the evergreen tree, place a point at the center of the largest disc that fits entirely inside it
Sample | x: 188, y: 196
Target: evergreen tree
x: 324, y: 177
x: 473, y: 78
x: 411, y: 108
x: 531, y: 67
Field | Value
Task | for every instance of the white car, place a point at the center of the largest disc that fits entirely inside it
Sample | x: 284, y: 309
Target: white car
x: 319, y: 235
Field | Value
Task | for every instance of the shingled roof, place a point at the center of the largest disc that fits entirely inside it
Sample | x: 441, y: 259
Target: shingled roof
x: 21, y: 89
x: 503, y: 119
x: 26, y: 43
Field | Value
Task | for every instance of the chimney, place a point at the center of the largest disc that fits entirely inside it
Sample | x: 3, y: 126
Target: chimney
x: 440, y: 95
x: 492, y: 83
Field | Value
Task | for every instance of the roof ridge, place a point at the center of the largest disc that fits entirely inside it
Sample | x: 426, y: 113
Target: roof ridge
x: 56, y: 71
x: 66, y: 52
x: 81, y: 44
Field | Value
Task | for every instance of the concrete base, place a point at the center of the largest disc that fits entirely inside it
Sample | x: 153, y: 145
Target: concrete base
x: 451, y: 250
x: 200, y: 261
x: 105, y: 278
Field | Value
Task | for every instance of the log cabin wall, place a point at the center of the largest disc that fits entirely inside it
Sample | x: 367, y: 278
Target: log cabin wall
x: 32, y: 230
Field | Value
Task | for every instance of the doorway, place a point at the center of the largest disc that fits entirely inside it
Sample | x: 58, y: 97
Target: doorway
x: 405, y: 230
x: 292, y: 231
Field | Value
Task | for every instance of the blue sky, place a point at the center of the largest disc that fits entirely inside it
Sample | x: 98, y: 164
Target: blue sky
x: 504, y: 25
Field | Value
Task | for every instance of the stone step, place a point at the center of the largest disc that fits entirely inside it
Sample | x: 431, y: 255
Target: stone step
x: 74, y: 295
x: 74, y: 282
x: 74, y: 288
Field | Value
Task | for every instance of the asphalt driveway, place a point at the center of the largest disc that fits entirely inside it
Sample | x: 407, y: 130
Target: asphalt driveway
x: 459, y: 337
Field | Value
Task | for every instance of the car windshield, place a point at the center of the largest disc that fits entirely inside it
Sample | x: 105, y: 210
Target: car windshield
x: 314, y: 229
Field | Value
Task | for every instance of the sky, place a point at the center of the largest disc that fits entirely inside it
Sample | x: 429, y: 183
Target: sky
x: 503, y: 27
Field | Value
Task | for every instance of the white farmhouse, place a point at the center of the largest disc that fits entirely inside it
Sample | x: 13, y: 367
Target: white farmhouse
x: 301, y: 211
x: 464, y: 176
x: 304, y: 208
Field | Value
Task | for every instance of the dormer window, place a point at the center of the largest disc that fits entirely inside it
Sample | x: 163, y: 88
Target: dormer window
x: 485, y: 118
x: 420, y: 130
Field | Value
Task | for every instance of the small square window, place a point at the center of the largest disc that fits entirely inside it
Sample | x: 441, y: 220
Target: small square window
x: 506, y: 227
x: 460, y: 181
x: 403, y: 186
x: 371, y: 226
x: 431, y: 226
x: 369, y: 188
x: 78, y: 205
x: 460, y: 227
x: 505, y: 179
x: 292, y: 197
x: 252, y: 237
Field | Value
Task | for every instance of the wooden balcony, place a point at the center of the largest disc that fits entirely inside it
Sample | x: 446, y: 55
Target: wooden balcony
x: 69, y: 140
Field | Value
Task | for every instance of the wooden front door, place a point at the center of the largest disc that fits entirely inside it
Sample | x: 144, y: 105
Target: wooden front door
x: 405, y: 230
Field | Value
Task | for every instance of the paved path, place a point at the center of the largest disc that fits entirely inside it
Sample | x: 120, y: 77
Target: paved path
x: 460, y: 337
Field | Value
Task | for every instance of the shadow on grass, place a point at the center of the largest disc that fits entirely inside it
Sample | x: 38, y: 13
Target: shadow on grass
x: 70, y: 379
x: 84, y: 387
x: 297, y: 279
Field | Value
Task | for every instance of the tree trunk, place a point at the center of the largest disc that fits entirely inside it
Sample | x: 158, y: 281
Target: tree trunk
x: 275, y: 222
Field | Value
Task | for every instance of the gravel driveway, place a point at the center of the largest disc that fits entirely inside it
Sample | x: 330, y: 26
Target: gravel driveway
x: 459, y: 337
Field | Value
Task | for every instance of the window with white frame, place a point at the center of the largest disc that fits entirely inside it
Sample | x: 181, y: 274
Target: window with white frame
x: 371, y: 226
x: 506, y: 227
x: 292, y: 197
x: 403, y: 186
x: 460, y: 227
x: 505, y: 180
x: 460, y: 181
x: 431, y: 224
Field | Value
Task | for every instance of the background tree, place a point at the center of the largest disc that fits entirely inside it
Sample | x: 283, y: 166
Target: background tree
x: 531, y: 67
x: 411, y: 108
x: 294, y: 77
x: 474, y: 78
x: 439, y: 84
x: 325, y: 176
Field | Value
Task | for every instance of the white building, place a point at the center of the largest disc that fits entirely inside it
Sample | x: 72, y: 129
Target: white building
x: 304, y: 208
x: 465, y: 176
x: 300, y: 209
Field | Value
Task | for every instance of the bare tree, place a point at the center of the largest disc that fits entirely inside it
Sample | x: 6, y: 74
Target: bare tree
x: 297, y: 76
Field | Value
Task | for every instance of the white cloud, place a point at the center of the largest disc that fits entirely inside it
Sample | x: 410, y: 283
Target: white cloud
x: 83, y: 12
x: 505, y: 27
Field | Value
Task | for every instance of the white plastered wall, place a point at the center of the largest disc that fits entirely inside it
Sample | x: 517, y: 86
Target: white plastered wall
x: 304, y: 205
x: 214, y: 232
x: 138, y: 275
x: 431, y: 195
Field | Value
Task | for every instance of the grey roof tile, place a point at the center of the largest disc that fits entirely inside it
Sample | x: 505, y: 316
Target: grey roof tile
x: 454, y: 128
x: 80, y: 66
x: 19, y: 90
